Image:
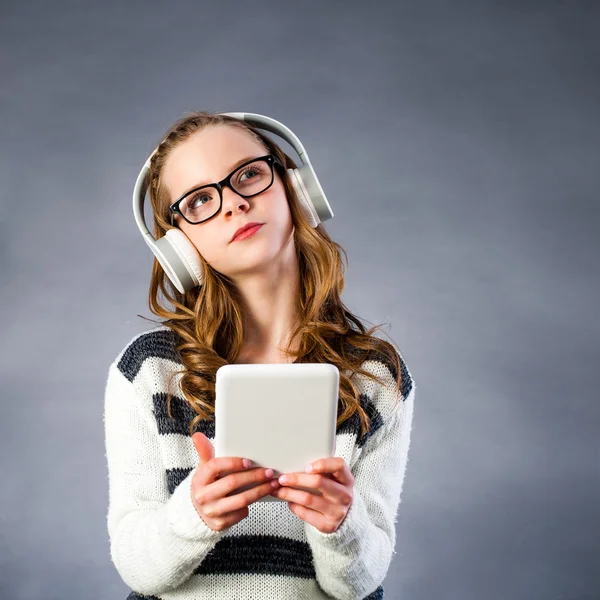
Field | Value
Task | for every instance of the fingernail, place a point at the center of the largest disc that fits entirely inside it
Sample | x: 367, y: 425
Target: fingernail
x: 283, y: 479
x: 269, y: 473
x: 247, y: 462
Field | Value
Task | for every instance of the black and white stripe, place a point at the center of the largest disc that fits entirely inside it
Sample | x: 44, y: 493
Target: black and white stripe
x: 239, y: 554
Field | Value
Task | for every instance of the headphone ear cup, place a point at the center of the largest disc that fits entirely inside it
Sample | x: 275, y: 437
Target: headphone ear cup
x: 304, y: 197
x: 180, y: 260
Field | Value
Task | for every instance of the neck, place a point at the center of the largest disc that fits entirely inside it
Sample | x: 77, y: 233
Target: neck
x: 270, y: 300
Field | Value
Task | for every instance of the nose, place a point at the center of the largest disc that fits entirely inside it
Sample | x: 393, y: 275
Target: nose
x: 232, y: 199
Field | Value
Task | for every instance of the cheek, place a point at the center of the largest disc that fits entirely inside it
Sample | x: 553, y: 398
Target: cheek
x: 279, y: 207
x: 211, y: 252
x: 203, y: 242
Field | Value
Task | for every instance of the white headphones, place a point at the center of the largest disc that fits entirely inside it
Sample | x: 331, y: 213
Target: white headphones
x: 177, y: 254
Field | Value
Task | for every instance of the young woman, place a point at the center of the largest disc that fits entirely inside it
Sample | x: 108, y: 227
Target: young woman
x: 271, y: 293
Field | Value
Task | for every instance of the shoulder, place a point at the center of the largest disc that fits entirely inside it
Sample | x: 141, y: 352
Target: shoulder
x: 381, y: 364
x: 157, y: 343
x: 384, y: 401
x: 383, y: 361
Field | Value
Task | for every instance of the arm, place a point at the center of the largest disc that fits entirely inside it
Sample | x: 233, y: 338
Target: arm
x: 156, y: 540
x: 353, y: 561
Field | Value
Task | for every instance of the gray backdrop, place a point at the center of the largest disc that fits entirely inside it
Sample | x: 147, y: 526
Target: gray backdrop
x: 458, y: 145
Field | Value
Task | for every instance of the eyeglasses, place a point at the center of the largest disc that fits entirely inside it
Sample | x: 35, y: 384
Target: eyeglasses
x: 247, y: 180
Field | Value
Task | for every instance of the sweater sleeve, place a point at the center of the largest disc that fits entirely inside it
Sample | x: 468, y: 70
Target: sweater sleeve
x: 352, y: 562
x: 156, y: 540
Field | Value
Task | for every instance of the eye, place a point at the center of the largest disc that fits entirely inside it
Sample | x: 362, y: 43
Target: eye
x: 250, y: 169
x: 197, y: 197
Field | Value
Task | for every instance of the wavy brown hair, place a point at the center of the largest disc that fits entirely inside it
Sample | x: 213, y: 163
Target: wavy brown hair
x: 207, y: 320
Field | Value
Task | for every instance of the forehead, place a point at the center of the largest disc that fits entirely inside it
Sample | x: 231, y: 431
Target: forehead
x: 207, y: 156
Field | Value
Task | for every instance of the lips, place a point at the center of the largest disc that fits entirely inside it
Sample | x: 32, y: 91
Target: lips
x: 245, y: 228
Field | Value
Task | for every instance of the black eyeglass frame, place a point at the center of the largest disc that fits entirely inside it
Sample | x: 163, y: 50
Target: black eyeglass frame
x: 270, y: 159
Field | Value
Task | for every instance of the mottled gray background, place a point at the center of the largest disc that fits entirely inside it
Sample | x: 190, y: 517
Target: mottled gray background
x: 458, y: 145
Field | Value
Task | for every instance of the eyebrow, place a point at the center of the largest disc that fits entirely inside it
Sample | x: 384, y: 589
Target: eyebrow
x: 234, y: 166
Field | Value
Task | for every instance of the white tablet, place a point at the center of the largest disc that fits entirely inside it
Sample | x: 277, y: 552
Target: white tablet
x: 281, y: 416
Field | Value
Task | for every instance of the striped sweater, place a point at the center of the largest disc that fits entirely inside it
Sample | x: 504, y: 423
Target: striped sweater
x: 162, y: 549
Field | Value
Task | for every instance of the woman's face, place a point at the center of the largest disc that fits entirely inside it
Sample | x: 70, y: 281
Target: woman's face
x: 206, y: 157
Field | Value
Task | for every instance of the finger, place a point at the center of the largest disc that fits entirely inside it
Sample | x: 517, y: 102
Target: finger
x: 323, y: 523
x: 329, y: 488
x: 229, y: 504
x: 219, y: 467
x: 228, y: 485
x: 318, y: 504
x: 336, y: 466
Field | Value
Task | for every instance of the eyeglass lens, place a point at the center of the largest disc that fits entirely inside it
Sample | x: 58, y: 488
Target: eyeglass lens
x: 250, y: 179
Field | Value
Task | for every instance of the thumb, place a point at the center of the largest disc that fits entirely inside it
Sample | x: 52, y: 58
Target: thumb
x: 203, y: 447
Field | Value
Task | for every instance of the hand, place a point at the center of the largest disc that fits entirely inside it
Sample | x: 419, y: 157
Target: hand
x: 214, y: 481
x: 334, y: 483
